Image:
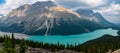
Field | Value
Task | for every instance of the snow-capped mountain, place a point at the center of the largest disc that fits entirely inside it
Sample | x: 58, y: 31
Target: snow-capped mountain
x: 47, y: 18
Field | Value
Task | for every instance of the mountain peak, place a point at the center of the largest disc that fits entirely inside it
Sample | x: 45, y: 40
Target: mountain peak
x: 23, y: 7
x: 44, y: 3
x: 93, y: 16
x: 46, y: 18
x: 87, y: 11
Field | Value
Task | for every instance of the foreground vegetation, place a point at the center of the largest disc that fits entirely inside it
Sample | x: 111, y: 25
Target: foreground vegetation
x: 100, y: 45
x: 9, y: 45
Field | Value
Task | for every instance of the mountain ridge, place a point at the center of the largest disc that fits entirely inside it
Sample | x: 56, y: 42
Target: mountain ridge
x: 47, y: 18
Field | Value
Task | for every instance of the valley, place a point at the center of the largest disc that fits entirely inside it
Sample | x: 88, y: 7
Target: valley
x: 48, y: 27
x: 48, y: 18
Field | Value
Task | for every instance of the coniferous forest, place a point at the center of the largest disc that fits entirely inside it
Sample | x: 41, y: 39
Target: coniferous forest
x: 99, y: 45
x: 66, y: 21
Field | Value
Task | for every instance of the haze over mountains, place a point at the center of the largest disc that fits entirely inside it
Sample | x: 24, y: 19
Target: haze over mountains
x: 47, y: 18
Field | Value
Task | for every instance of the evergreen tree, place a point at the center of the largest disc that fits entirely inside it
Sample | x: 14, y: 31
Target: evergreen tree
x: 7, y: 46
x: 23, y: 46
x: 13, y: 40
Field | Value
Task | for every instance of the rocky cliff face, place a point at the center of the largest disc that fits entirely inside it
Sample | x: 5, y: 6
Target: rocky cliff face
x: 46, y: 18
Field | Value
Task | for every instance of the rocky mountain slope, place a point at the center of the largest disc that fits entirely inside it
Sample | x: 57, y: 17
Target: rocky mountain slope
x: 47, y: 18
x: 92, y: 16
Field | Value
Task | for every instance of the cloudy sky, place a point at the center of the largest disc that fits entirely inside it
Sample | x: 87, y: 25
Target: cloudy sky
x: 110, y: 9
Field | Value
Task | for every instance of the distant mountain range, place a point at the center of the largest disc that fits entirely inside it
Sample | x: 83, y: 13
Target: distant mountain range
x: 90, y: 15
x: 47, y: 18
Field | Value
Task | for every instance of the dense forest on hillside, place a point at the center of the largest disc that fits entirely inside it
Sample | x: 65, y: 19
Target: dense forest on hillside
x: 99, y: 45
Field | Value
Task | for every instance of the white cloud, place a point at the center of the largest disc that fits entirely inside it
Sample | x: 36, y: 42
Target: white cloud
x: 111, y: 13
x: 11, y: 4
x: 113, y: 7
x: 81, y: 3
x: 94, y: 3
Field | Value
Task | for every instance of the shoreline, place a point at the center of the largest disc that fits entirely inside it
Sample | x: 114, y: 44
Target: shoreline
x: 16, y: 35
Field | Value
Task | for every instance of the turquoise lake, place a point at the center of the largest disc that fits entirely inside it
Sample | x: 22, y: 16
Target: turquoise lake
x: 73, y: 39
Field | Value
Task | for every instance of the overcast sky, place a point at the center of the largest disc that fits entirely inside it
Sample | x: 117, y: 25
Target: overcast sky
x: 110, y: 9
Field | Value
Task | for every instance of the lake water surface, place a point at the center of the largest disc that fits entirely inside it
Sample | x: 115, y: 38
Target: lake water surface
x: 73, y: 39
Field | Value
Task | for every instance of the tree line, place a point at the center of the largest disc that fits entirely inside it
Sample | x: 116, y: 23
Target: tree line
x: 9, y: 45
x: 99, y: 45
